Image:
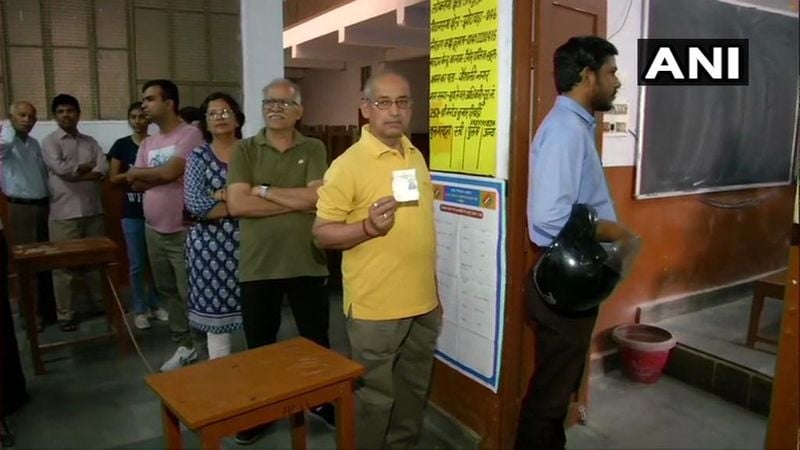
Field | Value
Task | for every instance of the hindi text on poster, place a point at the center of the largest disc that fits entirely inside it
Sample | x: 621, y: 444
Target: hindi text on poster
x: 463, y: 86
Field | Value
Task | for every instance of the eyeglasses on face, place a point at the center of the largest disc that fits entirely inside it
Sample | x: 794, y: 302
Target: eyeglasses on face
x: 219, y: 115
x: 386, y: 103
x: 271, y: 103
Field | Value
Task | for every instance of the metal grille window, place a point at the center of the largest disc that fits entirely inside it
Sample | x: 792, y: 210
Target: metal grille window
x: 196, y: 43
x: 103, y: 51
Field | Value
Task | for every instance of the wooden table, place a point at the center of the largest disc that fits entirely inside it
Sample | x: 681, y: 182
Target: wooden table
x: 71, y: 254
x: 224, y: 396
x: 772, y: 286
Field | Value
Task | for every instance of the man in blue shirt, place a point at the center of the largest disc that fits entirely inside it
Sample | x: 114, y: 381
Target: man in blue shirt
x: 565, y: 169
x: 24, y: 182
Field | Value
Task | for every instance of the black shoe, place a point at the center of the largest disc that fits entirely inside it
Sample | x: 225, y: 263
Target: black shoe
x: 248, y: 437
x: 327, y: 413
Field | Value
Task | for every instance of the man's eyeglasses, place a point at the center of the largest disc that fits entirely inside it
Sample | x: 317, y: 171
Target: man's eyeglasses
x: 271, y: 103
x: 219, y: 115
x: 386, y: 103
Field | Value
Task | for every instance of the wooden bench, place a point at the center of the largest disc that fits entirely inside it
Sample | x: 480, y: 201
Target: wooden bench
x: 773, y: 286
x: 70, y: 254
x: 224, y: 396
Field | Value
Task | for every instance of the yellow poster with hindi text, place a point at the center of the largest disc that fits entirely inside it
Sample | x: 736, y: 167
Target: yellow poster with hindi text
x: 463, y: 86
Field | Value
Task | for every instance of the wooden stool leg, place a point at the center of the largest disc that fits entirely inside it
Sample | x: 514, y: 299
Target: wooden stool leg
x: 298, y: 421
x: 346, y: 419
x: 113, y: 314
x: 210, y: 441
x: 755, y: 318
x: 29, y: 316
x: 172, y: 429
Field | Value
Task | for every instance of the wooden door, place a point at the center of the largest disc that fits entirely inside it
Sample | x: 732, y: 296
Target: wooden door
x: 784, y: 417
x: 537, y: 34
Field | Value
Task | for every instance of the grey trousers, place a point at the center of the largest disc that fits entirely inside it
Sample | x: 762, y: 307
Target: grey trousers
x: 392, y: 394
x: 64, y: 280
x: 168, y: 262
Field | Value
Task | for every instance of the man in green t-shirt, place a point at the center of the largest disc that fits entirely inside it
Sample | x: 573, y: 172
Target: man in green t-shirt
x: 272, y: 188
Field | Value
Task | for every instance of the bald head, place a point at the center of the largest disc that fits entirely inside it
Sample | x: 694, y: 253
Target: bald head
x: 285, y: 84
x: 23, y: 117
x: 380, y: 79
x: 386, y: 104
x: 24, y: 104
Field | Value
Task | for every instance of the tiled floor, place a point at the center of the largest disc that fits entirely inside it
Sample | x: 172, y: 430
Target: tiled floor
x: 93, y: 398
x: 721, y: 331
x: 665, y: 415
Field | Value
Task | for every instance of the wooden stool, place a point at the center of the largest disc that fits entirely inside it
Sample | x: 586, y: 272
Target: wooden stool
x: 224, y: 396
x: 71, y: 254
x: 772, y: 286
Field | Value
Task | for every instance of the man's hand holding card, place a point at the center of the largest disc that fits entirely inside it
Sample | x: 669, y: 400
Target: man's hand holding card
x: 404, y: 185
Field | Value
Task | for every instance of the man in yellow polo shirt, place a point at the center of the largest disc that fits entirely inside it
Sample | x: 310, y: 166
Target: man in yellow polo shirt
x: 388, y: 265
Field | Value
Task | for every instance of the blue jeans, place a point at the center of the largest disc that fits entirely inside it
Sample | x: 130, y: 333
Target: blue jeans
x: 144, y: 297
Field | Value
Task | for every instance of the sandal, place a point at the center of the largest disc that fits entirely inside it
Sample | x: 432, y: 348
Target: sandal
x: 68, y: 326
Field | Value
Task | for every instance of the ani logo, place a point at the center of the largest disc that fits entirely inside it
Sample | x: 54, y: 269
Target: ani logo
x: 699, y: 62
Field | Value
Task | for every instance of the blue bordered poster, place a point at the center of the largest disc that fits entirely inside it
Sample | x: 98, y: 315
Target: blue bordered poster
x: 470, y: 269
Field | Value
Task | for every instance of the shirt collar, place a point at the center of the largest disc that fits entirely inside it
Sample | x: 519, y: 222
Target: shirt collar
x: 62, y: 134
x: 27, y: 142
x: 565, y: 102
x: 261, y: 138
x: 377, y: 148
x: 17, y: 137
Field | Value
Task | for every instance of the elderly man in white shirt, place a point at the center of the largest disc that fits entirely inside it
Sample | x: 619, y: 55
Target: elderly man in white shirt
x: 23, y: 180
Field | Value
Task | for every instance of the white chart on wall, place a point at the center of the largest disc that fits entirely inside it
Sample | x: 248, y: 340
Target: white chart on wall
x: 470, y: 268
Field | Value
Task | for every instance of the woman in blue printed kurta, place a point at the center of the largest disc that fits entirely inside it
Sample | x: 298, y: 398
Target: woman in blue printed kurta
x: 212, y: 243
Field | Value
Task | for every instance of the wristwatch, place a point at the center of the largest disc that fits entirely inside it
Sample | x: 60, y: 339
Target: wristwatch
x: 263, y: 190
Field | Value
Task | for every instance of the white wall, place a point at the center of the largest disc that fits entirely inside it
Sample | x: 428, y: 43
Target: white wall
x: 262, y: 55
x: 104, y: 131
x: 331, y: 97
x: 623, y: 33
x: 505, y: 56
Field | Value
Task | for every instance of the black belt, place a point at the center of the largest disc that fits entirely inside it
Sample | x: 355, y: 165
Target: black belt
x: 29, y: 201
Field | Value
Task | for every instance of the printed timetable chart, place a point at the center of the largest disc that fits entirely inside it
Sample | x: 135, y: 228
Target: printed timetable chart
x: 470, y: 269
x: 463, y: 86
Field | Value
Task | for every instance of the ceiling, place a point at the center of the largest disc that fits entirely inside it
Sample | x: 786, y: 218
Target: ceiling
x: 362, y: 31
x: 370, y: 31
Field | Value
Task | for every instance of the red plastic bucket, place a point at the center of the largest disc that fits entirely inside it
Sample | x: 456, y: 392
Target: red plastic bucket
x: 644, y: 351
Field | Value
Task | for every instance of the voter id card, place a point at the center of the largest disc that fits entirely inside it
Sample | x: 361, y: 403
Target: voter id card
x: 404, y: 185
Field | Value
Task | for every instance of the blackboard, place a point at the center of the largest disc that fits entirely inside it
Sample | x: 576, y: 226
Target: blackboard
x: 708, y: 138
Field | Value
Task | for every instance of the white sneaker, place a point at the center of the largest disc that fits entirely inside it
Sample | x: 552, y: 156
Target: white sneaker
x: 183, y: 357
x: 141, y: 322
x: 160, y: 314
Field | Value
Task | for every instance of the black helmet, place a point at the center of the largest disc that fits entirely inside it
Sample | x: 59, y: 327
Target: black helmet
x: 575, y: 273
